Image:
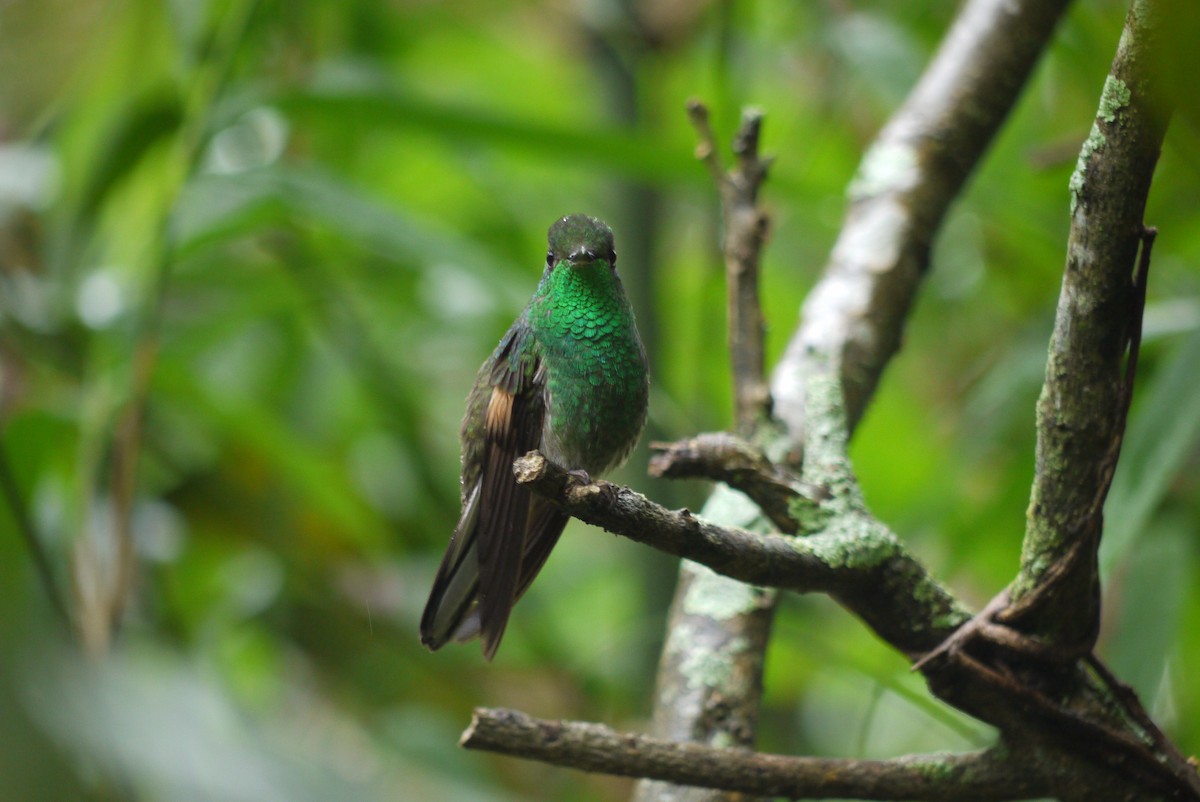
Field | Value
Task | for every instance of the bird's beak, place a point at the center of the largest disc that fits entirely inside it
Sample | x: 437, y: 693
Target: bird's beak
x: 582, y: 256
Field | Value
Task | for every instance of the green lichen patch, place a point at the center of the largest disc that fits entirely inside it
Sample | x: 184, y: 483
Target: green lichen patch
x: 1095, y: 142
x: 705, y: 669
x: 884, y: 166
x: 825, y: 462
x: 947, y: 613
x: 855, y: 542
x: 809, y: 515
x: 1114, y: 98
x: 939, y: 767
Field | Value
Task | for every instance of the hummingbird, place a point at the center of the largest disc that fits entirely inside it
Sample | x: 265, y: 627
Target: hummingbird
x: 569, y: 379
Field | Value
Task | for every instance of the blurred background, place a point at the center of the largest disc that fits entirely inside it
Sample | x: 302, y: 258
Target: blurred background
x: 251, y: 255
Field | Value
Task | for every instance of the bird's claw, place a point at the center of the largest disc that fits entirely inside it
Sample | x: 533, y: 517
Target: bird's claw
x: 580, y: 476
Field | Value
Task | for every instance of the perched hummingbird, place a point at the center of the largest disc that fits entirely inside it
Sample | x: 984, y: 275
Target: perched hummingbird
x: 569, y: 378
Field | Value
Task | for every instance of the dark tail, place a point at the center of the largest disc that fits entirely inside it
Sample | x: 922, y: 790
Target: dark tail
x: 455, y: 610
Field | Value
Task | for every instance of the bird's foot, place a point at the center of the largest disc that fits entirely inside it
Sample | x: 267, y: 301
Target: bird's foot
x: 580, y: 476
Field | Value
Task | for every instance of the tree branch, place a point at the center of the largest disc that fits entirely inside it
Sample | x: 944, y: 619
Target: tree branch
x: 846, y: 552
x: 988, y: 775
x: 757, y: 559
x: 1082, y: 409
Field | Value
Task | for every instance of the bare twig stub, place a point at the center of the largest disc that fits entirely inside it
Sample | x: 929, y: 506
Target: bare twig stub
x: 745, y: 231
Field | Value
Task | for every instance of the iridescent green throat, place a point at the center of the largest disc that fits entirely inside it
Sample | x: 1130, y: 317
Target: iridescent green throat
x: 595, y: 366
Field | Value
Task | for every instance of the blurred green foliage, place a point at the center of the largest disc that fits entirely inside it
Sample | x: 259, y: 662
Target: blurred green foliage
x: 256, y: 251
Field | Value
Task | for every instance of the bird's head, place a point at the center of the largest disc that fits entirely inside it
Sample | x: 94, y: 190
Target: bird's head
x: 580, y: 241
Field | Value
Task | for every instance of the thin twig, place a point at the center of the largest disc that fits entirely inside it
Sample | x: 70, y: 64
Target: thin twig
x: 774, y: 560
x: 723, y: 457
x: 706, y: 148
x: 724, y: 706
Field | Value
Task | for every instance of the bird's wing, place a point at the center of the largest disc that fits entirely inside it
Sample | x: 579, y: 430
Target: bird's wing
x: 482, y: 573
x: 512, y: 426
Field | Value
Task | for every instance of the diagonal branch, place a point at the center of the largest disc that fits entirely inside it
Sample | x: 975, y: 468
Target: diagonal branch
x: 906, y: 182
x: 845, y: 552
x: 757, y: 559
x: 1093, y: 352
x: 981, y: 776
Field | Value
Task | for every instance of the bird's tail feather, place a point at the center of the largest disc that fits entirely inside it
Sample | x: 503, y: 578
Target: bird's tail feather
x: 450, y: 613
x: 453, y: 610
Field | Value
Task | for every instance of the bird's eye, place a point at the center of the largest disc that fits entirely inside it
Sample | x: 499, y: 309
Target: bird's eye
x: 612, y: 258
x: 549, y: 258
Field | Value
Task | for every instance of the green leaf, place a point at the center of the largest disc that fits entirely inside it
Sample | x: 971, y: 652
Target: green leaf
x: 1162, y: 433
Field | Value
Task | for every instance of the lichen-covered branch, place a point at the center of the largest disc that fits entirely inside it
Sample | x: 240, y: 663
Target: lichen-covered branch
x: 845, y: 552
x: 1082, y: 409
x: 988, y: 775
